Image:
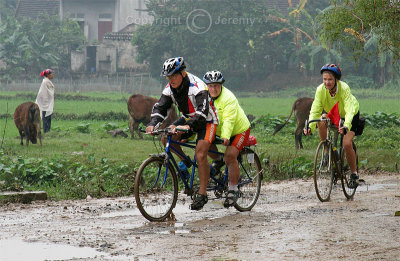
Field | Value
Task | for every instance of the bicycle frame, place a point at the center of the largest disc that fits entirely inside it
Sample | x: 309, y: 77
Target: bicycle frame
x: 335, y: 157
x: 189, y: 185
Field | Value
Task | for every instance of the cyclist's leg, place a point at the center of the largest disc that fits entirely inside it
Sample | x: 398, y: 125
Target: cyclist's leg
x: 205, y: 138
x: 231, y: 154
x: 230, y: 158
x: 322, y: 130
x: 348, y: 148
x: 204, y: 168
x: 214, y: 156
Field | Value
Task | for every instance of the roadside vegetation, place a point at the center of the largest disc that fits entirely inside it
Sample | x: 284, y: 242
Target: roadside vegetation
x: 79, y: 157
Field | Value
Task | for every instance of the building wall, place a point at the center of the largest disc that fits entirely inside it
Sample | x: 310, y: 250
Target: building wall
x: 93, y: 11
x: 106, y: 59
x: 78, y: 61
x: 130, y: 12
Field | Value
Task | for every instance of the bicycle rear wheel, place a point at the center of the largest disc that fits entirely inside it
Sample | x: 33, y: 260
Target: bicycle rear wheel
x: 323, y: 171
x: 346, y: 172
x: 156, y: 189
x: 250, y: 180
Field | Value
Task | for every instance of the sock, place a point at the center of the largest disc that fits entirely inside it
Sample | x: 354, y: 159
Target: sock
x: 233, y: 187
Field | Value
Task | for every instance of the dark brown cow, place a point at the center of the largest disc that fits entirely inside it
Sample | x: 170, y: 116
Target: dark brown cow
x: 27, y: 119
x: 301, y: 108
x: 139, y: 108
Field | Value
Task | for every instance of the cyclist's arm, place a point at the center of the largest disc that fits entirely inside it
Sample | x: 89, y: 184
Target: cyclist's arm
x: 199, y: 119
x: 160, y: 110
x: 316, y: 108
x: 180, y: 121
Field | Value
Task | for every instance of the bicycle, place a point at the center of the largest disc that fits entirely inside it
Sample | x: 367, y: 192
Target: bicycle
x: 330, y: 165
x: 156, y: 181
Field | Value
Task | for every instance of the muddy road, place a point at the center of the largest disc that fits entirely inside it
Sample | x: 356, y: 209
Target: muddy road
x: 288, y: 223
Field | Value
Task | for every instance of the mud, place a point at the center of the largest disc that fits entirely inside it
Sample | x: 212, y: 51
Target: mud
x: 287, y: 223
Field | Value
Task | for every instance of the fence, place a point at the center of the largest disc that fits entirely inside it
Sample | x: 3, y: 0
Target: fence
x: 121, y: 82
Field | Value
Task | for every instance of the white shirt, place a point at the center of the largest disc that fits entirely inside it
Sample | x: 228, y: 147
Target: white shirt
x: 45, y: 97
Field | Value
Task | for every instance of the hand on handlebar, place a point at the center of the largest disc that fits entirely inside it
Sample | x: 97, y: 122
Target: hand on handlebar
x: 179, y: 129
x: 149, y: 130
x: 323, y: 116
x: 225, y: 142
x: 343, y: 130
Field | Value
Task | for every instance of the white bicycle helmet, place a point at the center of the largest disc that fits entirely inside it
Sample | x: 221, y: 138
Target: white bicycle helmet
x: 172, y: 66
x: 213, y: 77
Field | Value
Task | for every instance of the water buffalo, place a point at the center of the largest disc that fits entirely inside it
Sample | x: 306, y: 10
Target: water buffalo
x: 139, y: 108
x: 27, y: 119
x: 301, y: 108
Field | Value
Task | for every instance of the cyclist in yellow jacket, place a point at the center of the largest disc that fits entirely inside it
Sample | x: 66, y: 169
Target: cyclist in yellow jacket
x: 330, y: 92
x: 233, y: 128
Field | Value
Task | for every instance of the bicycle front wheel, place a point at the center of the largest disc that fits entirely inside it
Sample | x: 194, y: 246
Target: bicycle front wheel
x: 156, y: 189
x: 323, y: 171
x: 250, y: 180
x: 346, y: 172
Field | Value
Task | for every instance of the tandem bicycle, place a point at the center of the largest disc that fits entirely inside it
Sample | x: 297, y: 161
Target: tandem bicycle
x: 156, y: 182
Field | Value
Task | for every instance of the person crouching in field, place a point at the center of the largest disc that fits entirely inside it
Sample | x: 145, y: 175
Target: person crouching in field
x: 45, y: 98
x: 234, y: 130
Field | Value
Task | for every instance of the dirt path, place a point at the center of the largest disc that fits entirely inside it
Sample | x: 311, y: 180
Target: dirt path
x: 288, y: 223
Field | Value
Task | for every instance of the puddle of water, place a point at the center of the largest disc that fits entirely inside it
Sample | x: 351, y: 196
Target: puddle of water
x: 16, y: 249
x: 372, y: 187
x: 176, y: 231
x: 179, y: 224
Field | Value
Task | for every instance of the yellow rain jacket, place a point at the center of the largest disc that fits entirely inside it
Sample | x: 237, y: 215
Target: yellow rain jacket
x: 348, y: 104
x: 232, y: 119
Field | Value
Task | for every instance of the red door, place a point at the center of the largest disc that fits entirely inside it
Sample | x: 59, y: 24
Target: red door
x: 104, y: 27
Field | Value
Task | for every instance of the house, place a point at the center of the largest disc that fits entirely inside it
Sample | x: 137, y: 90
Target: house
x: 33, y: 8
x: 114, y: 19
x: 108, y: 26
x: 96, y: 17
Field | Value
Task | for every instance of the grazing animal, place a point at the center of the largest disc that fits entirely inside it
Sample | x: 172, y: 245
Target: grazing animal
x: 140, y: 108
x: 301, y: 108
x: 27, y: 119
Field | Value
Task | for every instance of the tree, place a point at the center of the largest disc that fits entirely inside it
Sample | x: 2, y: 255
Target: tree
x: 7, y: 7
x: 234, y: 39
x: 28, y: 46
x: 14, y: 48
x: 369, y: 29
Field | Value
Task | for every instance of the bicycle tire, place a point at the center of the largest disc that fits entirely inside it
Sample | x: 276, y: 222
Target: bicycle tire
x: 251, y: 175
x: 155, y: 198
x: 323, y: 172
x: 346, y: 172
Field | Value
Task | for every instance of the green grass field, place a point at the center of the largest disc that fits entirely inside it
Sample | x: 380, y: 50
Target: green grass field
x: 79, y: 157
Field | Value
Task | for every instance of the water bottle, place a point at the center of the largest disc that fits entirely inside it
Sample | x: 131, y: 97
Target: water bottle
x: 183, y: 169
x: 336, y: 153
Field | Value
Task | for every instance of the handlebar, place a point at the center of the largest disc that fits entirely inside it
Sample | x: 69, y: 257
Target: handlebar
x: 341, y: 122
x: 307, y: 123
x: 168, y: 131
x: 163, y: 131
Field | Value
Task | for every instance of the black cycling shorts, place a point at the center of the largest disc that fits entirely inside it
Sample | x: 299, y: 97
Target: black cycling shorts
x: 358, y: 124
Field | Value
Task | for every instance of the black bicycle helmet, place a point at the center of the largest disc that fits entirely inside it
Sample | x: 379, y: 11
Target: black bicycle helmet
x: 172, y: 66
x: 332, y: 68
